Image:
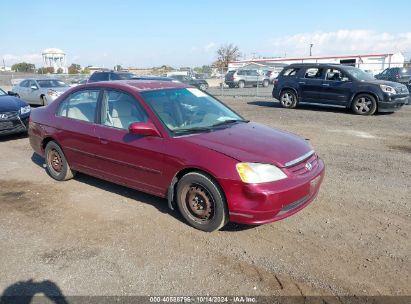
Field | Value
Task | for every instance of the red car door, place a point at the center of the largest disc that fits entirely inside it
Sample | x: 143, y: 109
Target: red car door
x: 125, y: 158
x: 75, y: 124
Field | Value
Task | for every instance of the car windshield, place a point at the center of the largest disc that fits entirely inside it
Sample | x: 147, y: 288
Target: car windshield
x: 189, y: 110
x: 359, y: 74
x: 52, y: 83
x: 2, y: 93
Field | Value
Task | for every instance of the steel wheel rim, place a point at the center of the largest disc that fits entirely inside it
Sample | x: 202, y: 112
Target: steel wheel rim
x: 363, y: 105
x: 55, y: 161
x: 287, y: 99
x: 198, y: 203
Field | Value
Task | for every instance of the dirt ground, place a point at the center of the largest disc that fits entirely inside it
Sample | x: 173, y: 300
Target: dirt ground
x: 91, y: 237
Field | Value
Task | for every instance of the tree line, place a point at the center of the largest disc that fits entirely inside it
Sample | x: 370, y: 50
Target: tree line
x: 225, y: 54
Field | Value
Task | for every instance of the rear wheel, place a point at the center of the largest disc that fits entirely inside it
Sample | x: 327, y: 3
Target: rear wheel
x: 201, y: 202
x: 364, y: 104
x: 56, y: 163
x: 241, y: 84
x: 265, y: 83
x: 288, y: 99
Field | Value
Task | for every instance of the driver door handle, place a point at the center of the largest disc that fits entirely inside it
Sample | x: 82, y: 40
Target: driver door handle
x: 301, y: 82
x: 326, y: 84
x: 104, y: 141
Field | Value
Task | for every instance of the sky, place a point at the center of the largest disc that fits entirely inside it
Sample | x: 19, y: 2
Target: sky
x: 146, y: 33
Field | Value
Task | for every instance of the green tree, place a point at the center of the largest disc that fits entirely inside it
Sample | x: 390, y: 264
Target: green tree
x: 226, y: 54
x: 23, y: 67
x: 74, y: 68
x: 60, y: 71
x: 205, y: 69
x: 48, y: 70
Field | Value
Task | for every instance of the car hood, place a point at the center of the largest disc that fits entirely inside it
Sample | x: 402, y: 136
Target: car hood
x: 11, y: 103
x: 385, y: 82
x: 57, y: 89
x: 253, y: 142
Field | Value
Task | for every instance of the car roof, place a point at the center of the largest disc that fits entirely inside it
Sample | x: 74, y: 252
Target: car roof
x: 334, y: 65
x: 138, y: 85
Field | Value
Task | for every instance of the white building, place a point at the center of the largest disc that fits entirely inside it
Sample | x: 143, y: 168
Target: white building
x: 372, y: 63
x: 54, y: 58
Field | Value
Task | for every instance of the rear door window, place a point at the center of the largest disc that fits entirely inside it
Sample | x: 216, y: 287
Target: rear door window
x: 314, y: 73
x: 80, y: 105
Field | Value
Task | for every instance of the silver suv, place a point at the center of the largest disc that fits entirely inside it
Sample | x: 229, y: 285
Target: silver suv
x: 242, y: 78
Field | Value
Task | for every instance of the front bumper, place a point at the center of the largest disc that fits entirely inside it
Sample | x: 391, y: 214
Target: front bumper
x: 269, y: 202
x: 392, y: 102
x: 14, y: 124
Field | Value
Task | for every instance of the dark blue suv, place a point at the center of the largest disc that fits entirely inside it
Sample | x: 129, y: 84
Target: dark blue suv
x: 338, y: 85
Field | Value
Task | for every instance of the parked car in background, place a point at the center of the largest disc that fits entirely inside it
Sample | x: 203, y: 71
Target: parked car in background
x: 401, y: 75
x: 158, y: 78
x: 110, y: 75
x: 172, y: 140
x: 14, y: 114
x: 272, y: 75
x: 198, y: 83
x: 243, y: 78
x: 41, y: 91
x: 338, y: 85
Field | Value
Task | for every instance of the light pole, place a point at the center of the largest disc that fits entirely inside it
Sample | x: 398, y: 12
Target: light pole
x: 311, y: 46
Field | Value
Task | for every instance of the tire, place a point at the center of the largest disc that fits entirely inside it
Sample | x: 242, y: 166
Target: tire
x: 266, y: 83
x: 43, y: 101
x: 241, y: 84
x: 56, y: 163
x: 203, y: 87
x: 288, y: 99
x: 201, y: 202
x: 364, y: 104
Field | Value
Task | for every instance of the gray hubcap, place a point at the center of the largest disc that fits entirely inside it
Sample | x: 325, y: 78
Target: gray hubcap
x: 363, y: 105
x: 287, y: 99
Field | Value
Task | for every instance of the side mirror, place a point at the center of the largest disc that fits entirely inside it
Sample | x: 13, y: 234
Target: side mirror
x: 144, y: 129
x: 10, y: 93
x: 34, y: 88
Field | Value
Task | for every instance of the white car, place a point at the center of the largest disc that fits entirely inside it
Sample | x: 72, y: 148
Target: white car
x: 40, y: 91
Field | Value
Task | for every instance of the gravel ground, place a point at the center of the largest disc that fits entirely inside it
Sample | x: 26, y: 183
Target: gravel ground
x: 90, y: 237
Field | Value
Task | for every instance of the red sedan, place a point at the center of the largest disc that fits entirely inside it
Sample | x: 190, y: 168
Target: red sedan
x: 177, y: 142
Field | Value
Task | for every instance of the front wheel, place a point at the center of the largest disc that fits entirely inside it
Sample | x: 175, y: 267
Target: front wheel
x: 56, y: 163
x: 364, y: 104
x: 288, y: 99
x: 265, y: 83
x: 201, y: 202
x: 203, y: 87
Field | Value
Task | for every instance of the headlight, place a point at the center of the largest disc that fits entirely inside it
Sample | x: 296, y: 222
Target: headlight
x: 387, y: 89
x: 24, y: 110
x: 255, y: 173
x: 52, y: 93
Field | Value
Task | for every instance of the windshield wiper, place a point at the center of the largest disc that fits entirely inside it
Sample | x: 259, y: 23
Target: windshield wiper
x: 192, y: 130
x: 228, y: 121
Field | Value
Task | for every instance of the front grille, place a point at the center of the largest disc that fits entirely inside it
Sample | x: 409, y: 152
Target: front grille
x: 10, y: 122
x: 293, y: 205
x: 305, y: 166
x: 9, y: 115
